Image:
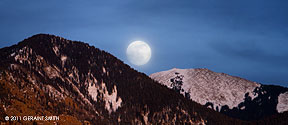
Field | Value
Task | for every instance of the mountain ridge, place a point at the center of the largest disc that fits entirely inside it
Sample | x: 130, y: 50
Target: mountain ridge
x: 49, y: 75
x: 233, y: 96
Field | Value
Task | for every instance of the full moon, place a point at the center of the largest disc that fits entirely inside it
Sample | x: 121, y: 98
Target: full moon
x: 138, y: 53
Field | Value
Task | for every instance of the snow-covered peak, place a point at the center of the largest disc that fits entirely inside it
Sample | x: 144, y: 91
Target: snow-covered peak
x: 206, y: 86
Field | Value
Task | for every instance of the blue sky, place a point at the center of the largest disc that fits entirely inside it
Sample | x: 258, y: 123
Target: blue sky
x: 245, y: 38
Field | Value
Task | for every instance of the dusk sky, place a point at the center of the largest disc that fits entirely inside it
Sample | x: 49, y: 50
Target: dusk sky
x: 245, y: 38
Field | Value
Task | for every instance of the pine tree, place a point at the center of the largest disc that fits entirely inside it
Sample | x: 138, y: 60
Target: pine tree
x: 177, y: 82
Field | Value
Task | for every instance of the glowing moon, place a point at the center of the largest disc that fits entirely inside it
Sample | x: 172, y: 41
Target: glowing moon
x: 138, y: 53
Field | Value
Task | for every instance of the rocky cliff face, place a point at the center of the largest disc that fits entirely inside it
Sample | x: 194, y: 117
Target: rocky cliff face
x: 48, y: 75
x: 227, y: 94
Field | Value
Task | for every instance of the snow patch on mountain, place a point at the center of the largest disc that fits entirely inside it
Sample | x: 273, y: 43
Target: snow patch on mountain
x: 112, y: 101
x: 205, y: 86
x: 282, y: 102
x: 51, y: 72
x: 63, y: 60
x: 56, y: 50
x: 92, y: 90
x: 74, y: 75
x: 22, y: 54
x: 13, y: 54
x: 103, y: 69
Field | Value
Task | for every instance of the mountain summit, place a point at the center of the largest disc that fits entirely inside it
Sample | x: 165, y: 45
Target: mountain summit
x: 234, y: 96
x: 48, y: 75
